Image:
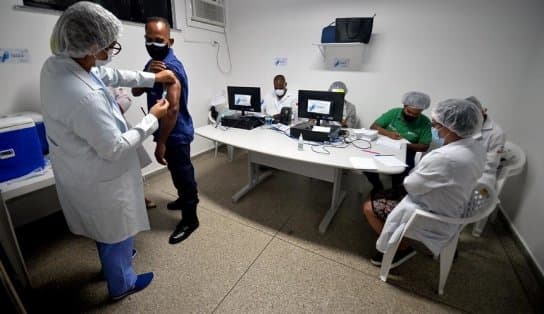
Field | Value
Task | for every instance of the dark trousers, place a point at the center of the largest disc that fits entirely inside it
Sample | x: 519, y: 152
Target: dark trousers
x: 396, y: 179
x: 183, y: 175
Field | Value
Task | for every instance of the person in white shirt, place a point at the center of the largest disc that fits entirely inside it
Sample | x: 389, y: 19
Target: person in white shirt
x: 441, y: 183
x: 278, y: 98
x: 492, y: 138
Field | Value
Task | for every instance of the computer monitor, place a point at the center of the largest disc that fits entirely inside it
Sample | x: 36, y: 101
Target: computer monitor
x: 244, y: 98
x: 320, y: 105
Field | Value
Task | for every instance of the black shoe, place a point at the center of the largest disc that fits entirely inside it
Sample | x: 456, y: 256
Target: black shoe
x: 183, y: 231
x: 402, y: 256
x: 173, y: 205
x: 376, y: 260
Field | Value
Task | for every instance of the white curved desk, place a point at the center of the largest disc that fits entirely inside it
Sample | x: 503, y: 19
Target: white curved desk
x: 274, y: 149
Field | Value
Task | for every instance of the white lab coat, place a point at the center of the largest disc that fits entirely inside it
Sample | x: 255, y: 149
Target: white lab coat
x: 272, y: 105
x: 492, y: 138
x: 92, y: 151
x: 441, y: 183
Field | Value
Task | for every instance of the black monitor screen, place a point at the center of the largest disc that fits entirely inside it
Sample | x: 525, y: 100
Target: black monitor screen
x: 244, y: 98
x: 320, y: 105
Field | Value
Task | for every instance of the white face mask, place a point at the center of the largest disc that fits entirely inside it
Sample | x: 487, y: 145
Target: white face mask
x: 280, y: 92
x: 100, y: 62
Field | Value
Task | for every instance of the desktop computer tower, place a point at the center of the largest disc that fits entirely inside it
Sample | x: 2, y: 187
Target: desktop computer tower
x: 305, y: 129
x: 242, y: 122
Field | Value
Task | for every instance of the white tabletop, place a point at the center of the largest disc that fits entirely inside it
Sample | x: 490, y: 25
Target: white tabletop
x: 271, y: 142
x: 15, y: 188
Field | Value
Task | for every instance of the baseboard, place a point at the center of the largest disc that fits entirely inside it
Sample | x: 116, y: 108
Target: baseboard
x: 524, y: 248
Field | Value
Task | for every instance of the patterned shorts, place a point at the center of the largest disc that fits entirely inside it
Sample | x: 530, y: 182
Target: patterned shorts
x: 384, y: 201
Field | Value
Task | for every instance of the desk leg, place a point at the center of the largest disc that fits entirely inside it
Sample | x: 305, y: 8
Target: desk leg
x: 11, y: 246
x: 255, y: 177
x: 337, y: 197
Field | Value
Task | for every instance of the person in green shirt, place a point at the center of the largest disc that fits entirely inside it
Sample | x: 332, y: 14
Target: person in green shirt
x: 407, y: 123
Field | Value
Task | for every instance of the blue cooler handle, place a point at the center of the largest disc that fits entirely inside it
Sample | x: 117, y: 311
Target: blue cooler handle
x: 7, y: 153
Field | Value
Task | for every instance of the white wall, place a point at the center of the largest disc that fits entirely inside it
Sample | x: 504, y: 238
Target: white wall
x: 444, y: 48
x: 20, y: 82
x: 523, y: 200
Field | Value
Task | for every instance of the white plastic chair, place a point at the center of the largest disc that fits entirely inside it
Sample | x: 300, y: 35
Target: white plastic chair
x: 482, y: 203
x: 512, y: 162
x: 221, y: 109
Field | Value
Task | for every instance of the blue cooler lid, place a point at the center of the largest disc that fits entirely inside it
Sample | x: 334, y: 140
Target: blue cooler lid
x: 40, y: 127
x: 8, y: 124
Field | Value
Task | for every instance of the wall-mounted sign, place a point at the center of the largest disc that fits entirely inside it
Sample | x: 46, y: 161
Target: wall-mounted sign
x: 341, y: 63
x: 280, y: 61
x: 14, y: 55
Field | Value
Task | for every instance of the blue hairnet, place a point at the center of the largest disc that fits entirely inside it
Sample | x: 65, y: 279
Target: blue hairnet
x: 475, y: 101
x: 460, y: 116
x: 338, y: 85
x: 417, y: 100
x: 83, y: 29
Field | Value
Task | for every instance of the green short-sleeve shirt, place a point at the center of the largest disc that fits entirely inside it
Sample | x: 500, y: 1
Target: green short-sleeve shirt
x: 417, y: 131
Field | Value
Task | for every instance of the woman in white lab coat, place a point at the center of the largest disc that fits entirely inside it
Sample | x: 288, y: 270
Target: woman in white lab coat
x: 441, y: 183
x: 492, y: 138
x: 92, y: 150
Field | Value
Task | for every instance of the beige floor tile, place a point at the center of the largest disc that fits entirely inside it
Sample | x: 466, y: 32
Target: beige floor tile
x: 481, y: 280
x: 192, y: 276
x: 269, y: 205
x: 287, y: 279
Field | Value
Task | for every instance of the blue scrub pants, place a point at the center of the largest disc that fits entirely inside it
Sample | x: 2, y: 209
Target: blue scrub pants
x: 116, y: 262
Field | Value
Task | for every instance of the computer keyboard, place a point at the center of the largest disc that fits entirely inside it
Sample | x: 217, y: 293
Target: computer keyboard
x: 281, y: 127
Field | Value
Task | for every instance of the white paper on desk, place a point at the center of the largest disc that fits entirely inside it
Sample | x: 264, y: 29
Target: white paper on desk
x: 324, y: 129
x: 389, y: 161
x: 389, y: 142
x: 363, y: 163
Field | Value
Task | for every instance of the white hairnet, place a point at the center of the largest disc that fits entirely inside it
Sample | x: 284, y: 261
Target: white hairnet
x: 475, y: 101
x: 84, y: 28
x: 338, y: 85
x: 417, y: 100
x: 460, y: 116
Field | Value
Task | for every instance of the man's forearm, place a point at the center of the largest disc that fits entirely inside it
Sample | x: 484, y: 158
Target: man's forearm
x: 167, y: 125
x: 137, y: 91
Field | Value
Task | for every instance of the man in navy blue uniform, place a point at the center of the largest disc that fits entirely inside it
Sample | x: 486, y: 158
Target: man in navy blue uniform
x: 176, y: 131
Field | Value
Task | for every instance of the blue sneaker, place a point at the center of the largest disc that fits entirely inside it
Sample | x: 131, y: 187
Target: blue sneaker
x: 142, y: 281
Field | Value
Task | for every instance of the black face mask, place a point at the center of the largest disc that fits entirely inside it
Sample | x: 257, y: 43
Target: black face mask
x: 157, y: 51
x: 407, y: 117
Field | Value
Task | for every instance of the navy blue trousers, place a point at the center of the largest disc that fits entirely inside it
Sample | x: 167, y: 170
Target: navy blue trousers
x: 183, y: 175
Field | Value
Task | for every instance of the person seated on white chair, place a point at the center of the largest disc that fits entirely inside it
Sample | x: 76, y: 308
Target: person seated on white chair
x: 278, y: 98
x: 349, y: 113
x: 441, y: 182
x: 492, y: 138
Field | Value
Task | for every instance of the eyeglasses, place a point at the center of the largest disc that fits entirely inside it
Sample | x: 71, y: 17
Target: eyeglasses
x: 115, y: 46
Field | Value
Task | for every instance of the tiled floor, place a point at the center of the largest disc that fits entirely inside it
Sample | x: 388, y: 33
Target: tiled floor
x: 265, y: 255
